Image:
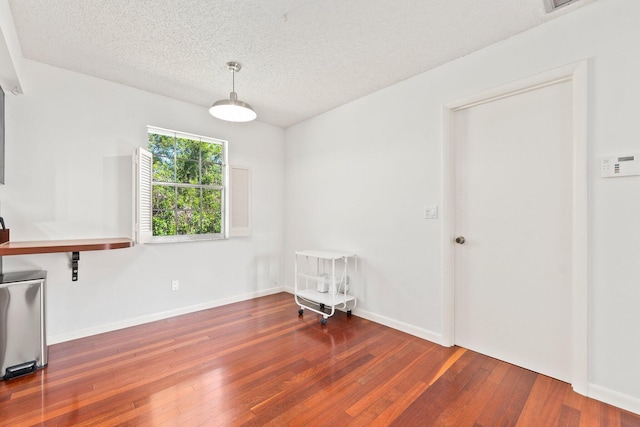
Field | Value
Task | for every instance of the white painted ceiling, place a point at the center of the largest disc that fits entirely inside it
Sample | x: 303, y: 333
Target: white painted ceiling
x: 300, y: 58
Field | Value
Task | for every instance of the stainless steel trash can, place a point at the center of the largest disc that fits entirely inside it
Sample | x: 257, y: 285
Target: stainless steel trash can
x: 23, y: 339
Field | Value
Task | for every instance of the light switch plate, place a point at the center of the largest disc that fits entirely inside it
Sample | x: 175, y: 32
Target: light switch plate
x: 430, y: 212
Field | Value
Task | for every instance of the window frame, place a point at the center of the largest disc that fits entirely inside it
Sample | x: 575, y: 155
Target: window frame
x: 224, y: 188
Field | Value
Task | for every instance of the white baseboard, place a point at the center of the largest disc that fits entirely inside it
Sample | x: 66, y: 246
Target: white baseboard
x: 615, y: 398
x: 400, y: 326
x: 394, y: 324
x: 82, y: 333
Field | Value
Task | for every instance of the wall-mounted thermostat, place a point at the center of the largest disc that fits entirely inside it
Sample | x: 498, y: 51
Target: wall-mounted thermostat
x: 626, y: 165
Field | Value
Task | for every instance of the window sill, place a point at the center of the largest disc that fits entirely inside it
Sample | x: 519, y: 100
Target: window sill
x: 186, y: 238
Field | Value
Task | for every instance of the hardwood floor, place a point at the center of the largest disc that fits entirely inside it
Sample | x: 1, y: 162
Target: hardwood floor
x: 257, y: 363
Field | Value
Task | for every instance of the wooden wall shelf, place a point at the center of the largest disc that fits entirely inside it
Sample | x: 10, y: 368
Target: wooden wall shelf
x: 53, y: 246
x: 73, y: 246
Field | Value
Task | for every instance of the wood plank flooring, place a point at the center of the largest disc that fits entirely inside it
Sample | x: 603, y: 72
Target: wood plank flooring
x: 256, y: 363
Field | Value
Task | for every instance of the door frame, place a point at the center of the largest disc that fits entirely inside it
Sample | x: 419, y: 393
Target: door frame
x: 577, y: 74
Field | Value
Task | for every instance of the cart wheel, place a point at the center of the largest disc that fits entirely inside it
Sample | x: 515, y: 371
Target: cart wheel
x: 349, y: 313
x: 321, y: 306
x: 300, y: 312
x: 323, y: 321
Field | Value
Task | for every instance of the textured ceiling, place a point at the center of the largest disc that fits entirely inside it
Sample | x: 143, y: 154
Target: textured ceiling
x: 300, y: 57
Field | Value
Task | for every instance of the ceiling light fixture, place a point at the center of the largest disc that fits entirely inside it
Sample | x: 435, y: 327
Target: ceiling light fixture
x: 232, y: 109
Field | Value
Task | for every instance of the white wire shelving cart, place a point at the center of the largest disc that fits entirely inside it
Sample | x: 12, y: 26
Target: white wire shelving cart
x: 322, y: 282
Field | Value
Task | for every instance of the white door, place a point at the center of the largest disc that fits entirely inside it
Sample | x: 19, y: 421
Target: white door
x: 513, y: 206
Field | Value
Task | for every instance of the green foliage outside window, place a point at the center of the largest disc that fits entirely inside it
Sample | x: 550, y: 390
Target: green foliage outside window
x: 187, y: 185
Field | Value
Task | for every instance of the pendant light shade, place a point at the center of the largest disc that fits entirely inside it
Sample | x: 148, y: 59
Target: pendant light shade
x: 232, y: 109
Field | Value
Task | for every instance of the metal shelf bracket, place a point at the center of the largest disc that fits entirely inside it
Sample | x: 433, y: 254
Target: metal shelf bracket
x: 75, y: 257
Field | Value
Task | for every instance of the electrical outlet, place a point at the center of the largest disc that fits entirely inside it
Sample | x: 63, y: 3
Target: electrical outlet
x: 175, y: 285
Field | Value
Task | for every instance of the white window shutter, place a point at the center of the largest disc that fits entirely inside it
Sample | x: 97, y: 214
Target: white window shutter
x: 240, y: 201
x: 143, y: 166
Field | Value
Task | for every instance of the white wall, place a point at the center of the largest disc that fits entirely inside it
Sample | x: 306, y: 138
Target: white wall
x: 359, y: 176
x: 69, y: 141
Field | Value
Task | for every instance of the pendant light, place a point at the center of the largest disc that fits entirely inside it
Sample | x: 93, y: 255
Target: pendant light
x: 232, y: 109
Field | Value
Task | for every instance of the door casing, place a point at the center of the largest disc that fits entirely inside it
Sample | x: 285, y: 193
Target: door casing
x: 577, y: 74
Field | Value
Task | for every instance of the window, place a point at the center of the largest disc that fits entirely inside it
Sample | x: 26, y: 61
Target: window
x: 182, y: 186
x: 185, y: 191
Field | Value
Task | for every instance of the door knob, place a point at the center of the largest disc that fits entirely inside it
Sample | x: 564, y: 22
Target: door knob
x: 460, y: 240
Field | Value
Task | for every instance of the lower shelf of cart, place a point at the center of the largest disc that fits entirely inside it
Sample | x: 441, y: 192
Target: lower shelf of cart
x: 324, y: 297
